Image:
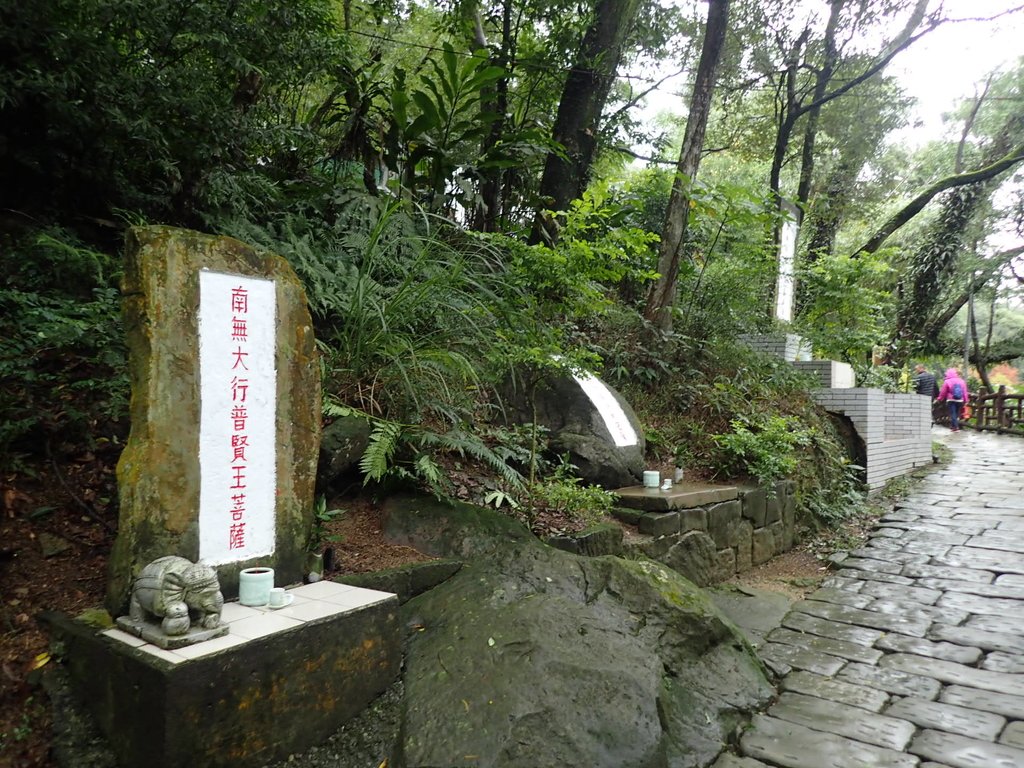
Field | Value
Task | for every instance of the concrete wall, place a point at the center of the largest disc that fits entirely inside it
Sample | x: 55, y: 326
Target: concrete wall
x: 895, y: 428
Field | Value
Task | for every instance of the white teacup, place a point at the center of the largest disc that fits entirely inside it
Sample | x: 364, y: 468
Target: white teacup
x: 279, y: 598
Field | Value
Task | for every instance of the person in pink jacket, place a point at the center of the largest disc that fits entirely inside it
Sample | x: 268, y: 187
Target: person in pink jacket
x: 954, y: 392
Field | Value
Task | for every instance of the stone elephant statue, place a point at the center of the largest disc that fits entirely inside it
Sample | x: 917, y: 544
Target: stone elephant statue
x: 178, y: 592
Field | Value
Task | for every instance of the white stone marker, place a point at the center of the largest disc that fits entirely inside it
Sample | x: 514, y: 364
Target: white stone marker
x: 614, y: 417
x: 787, y: 256
x: 238, y: 401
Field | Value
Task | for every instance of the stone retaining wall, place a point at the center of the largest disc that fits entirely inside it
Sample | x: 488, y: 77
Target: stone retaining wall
x: 705, y: 532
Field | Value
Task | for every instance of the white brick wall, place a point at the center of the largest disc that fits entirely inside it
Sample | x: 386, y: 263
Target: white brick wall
x: 788, y: 346
x: 895, y: 428
x: 831, y: 373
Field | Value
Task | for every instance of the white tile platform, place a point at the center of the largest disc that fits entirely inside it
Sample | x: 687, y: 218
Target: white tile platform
x: 311, y: 602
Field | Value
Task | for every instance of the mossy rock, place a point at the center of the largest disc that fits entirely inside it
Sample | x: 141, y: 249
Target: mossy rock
x: 533, y: 656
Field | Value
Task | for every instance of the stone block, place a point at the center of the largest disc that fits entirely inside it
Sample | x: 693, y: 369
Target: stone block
x: 694, y: 556
x: 684, y: 495
x: 725, y: 565
x: 787, y: 508
x: 743, y: 545
x: 656, y: 549
x: 779, y: 536
x: 722, y: 519
x: 659, y: 523
x: 159, y: 477
x: 762, y: 546
x: 695, y: 519
x: 406, y: 581
x: 788, y: 536
x: 776, y: 741
x: 628, y: 516
x: 603, y: 539
x: 754, y: 500
x: 251, y: 702
x: 843, y: 720
x: 772, y: 509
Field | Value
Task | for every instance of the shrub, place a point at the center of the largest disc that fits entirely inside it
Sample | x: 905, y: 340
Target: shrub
x: 62, y: 359
x: 764, y: 447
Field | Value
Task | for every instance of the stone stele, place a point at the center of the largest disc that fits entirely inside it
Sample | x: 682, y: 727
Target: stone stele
x: 159, y: 471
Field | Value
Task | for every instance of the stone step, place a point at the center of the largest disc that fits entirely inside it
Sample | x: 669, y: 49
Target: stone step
x: 962, y: 752
x: 794, y: 746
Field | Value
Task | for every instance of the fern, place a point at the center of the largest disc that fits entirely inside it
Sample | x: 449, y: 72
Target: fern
x: 467, y: 444
x: 427, y: 469
x: 377, y: 458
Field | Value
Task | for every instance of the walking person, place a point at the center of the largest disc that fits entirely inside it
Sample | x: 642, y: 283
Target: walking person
x: 924, y: 382
x: 954, y: 392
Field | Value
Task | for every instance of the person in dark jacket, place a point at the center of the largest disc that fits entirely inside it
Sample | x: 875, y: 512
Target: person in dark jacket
x: 924, y: 382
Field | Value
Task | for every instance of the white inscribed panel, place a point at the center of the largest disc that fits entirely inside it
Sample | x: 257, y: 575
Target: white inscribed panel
x: 238, y: 412
x: 615, y: 418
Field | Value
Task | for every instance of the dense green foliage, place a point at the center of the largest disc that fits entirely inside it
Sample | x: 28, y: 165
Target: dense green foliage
x: 393, y: 154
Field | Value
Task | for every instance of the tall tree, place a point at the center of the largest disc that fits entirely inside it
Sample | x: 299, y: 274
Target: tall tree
x: 835, y: 76
x: 583, y: 99
x: 662, y: 296
x: 964, y: 196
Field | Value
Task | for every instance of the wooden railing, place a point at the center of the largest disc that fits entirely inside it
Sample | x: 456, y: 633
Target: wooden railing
x: 994, y: 412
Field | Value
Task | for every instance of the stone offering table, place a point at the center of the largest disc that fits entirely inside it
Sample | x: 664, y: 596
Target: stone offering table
x: 710, y: 532
x: 279, y: 682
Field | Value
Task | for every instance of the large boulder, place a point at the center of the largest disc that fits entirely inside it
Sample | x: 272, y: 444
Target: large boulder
x: 533, y: 656
x: 586, y: 419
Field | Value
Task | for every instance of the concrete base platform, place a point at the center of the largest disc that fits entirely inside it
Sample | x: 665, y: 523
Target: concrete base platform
x: 279, y: 682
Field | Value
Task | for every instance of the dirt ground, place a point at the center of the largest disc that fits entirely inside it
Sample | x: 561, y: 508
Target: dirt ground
x: 56, y: 531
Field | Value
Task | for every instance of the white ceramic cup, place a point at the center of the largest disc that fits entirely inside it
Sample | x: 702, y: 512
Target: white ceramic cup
x: 254, y: 585
x: 652, y: 478
x: 279, y: 598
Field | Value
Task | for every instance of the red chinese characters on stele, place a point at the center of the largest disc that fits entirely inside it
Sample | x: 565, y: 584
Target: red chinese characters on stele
x: 237, y: 417
x: 237, y: 435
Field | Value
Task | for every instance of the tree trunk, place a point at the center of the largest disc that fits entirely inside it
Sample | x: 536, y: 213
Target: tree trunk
x: 979, y: 358
x: 662, y: 296
x: 489, y: 210
x: 821, y: 83
x: 794, y: 109
x: 788, y: 114
x: 583, y: 98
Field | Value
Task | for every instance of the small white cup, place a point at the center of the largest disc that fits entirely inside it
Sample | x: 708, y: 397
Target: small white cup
x: 279, y: 598
x: 652, y: 478
x: 666, y: 484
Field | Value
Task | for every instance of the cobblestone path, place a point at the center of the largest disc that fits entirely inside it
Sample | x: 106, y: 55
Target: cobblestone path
x: 912, y: 653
